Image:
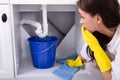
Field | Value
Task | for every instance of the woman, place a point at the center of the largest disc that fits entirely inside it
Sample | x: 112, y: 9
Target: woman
x: 100, y: 20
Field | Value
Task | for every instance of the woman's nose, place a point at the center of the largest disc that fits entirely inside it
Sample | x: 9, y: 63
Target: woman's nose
x: 81, y: 21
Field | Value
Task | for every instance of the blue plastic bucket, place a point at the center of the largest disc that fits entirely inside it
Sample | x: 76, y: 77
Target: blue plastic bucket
x: 43, y: 51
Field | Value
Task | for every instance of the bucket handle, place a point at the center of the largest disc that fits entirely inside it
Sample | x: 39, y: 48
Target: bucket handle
x: 44, y: 49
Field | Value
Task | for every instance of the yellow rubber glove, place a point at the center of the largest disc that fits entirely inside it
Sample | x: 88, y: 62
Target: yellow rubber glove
x: 74, y: 63
x: 102, y: 59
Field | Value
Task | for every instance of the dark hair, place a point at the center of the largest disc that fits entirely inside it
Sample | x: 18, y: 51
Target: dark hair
x: 109, y: 12
x: 107, y: 9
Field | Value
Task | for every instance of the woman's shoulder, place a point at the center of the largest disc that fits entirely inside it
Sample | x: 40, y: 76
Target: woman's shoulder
x: 118, y: 28
x: 115, y: 41
x: 117, y: 37
x: 117, y: 33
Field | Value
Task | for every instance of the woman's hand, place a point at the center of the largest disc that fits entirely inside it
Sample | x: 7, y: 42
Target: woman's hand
x: 101, y: 58
x: 89, y: 38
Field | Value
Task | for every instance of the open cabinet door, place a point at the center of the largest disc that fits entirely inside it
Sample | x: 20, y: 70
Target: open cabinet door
x: 6, y: 56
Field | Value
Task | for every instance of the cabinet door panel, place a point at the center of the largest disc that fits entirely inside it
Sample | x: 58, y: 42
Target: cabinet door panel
x: 4, y: 1
x: 6, y: 56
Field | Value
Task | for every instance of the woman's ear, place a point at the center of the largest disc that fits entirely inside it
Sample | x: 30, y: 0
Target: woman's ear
x: 98, y: 19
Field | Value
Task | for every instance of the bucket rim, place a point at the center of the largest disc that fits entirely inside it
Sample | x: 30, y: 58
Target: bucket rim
x: 55, y: 39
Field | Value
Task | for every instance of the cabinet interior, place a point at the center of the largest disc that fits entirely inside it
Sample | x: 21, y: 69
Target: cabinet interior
x: 61, y: 23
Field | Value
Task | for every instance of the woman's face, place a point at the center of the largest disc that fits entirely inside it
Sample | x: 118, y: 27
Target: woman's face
x: 89, y: 22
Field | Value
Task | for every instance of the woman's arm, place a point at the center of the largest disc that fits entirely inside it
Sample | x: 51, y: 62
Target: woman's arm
x: 107, y: 75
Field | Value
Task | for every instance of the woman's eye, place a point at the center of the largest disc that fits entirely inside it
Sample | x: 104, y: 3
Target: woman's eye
x: 82, y: 17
